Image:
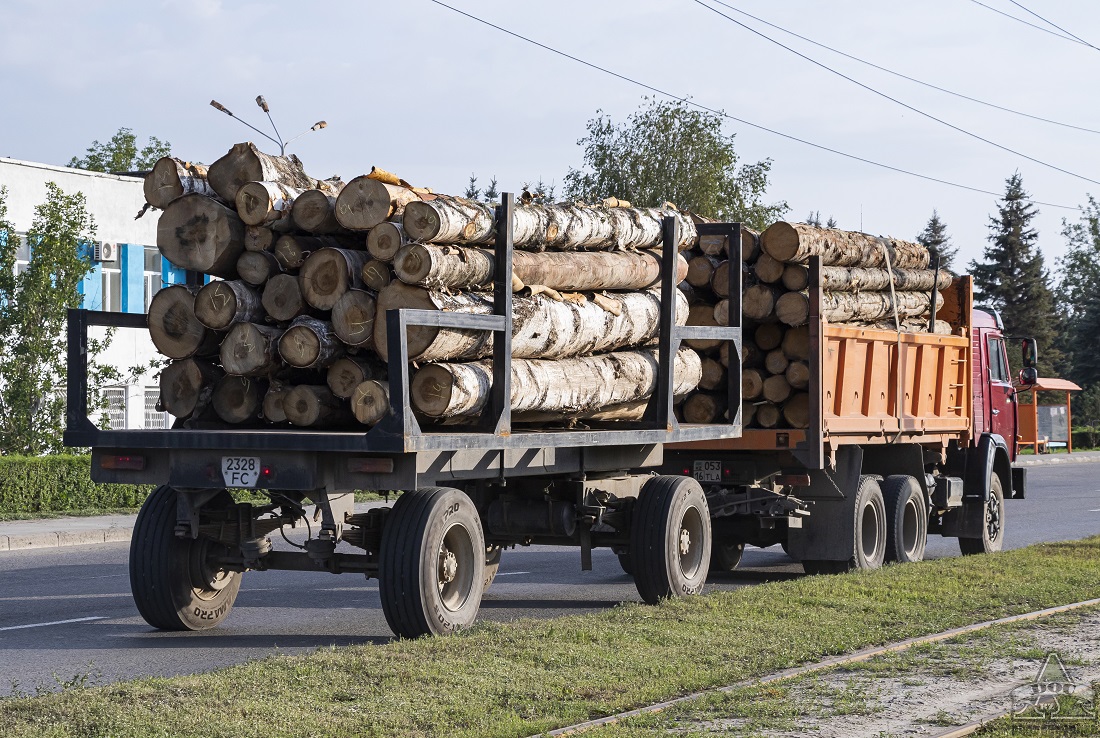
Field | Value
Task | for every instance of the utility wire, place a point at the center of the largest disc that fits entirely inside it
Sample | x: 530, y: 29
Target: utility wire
x: 1028, y: 23
x: 894, y: 100
x: 904, y: 76
x: 1052, y: 23
x: 686, y: 99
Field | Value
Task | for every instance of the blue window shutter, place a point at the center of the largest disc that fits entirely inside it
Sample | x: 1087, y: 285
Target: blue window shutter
x: 133, y: 277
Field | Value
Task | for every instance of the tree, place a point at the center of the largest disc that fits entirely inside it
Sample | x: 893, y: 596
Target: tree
x: 491, y: 194
x: 121, y: 154
x: 472, y: 192
x: 831, y: 222
x: 934, y: 238
x: 33, y: 315
x: 814, y: 218
x: 671, y: 152
x: 1080, y: 290
x: 1012, y: 279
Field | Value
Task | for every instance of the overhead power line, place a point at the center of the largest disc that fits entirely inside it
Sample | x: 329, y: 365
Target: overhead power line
x: 905, y: 76
x: 1052, y: 23
x: 686, y: 99
x: 1071, y: 39
x: 894, y: 100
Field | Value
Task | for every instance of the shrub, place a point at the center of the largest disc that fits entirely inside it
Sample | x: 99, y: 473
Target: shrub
x: 43, y: 484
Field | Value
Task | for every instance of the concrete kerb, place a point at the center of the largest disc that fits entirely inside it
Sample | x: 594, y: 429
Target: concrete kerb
x: 1080, y: 457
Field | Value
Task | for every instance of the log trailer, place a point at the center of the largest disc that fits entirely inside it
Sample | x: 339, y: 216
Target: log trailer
x: 468, y: 492
x: 910, y: 434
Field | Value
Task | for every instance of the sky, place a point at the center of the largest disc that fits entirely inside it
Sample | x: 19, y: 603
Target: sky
x: 419, y: 90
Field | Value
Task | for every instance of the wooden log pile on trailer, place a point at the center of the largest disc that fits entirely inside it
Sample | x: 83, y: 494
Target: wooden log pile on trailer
x: 866, y: 282
x: 287, y: 327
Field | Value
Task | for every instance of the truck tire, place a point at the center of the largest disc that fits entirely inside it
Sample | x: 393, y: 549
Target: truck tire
x: 626, y: 564
x: 726, y: 556
x: 431, y: 569
x: 869, y: 539
x: 670, y: 538
x: 492, y: 564
x: 173, y: 583
x: 906, y: 519
x: 993, y: 523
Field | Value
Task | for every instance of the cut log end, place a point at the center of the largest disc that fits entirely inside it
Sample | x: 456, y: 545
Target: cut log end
x: 386, y: 239
x: 311, y: 405
x: 173, y: 326
x: 353, y: 317
x: 370, y: 402
x: 238, y: 399
x: 348, y: 373
x: 430, y: 390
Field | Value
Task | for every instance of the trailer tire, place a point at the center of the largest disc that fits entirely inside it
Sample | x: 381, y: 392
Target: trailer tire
x: 869, y: 533
x: 492, y: 564
x: 993, y: 523
x: 906, y: 519
x: 670, y: 538
x: 431, y: 569
x: 625, y: 563
x: 726, y: 556
x: 174, y: 586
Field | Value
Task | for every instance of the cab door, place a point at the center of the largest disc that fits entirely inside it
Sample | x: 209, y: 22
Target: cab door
x: 1002, y: 395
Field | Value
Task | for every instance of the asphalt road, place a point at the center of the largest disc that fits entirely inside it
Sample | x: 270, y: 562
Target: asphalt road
x: 290, y: 612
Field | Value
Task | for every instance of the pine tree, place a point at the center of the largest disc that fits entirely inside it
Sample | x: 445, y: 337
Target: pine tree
x: 472, y: 191
x: 491, y: 194
x: 1012, y: 280
x: 831, y: 222
x: 1080, y: 290
x: 934, y: 238
x: 814, y: 218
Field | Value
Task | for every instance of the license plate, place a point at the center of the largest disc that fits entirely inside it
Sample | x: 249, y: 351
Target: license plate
x: 708, y: 471
x: 240, y: 471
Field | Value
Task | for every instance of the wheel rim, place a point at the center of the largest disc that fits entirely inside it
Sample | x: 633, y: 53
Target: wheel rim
x: 910, y: 524
x: 207, y: 580
x: 689, y: 543
x: 455, y: 569
x: 993, y: 518
x: 868, y: 535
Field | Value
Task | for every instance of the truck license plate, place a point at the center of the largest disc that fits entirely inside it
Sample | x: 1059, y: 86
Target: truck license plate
x: 240, y: 471
x: 708, y: 471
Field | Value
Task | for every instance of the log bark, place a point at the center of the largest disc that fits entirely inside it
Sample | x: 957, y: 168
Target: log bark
x: 282, y: 298
x: 768, y: 415
x: 314, y: 405
x: 571, y: 386
x: 245, y: 163
x: 327, y: 274
x: 797, y: 242
x: 273, y: 402
x: 720, y: 280
x: 798, y: 375
x: 796, y: 277
x: 267, y: 204
x: 768, y: 336
x: 259, y: 238
x: 238, y: 399
x: 447, y: 219
x: 310, y: 344
x: 371, y: 401
x: 862, y: 279
x: 702, y: 314
x: 542, y: 328
x: 292, y: 251
x: 220, y: 304
x: 314, y: 212
x: 796, y: 410
x: 777, y: 389
x: 251, y: 350
x: 376, y: 275
x: 758, y: 302
x: 793, y: 308
x: 187, y: 386
x: 171, y: 178
x: 908, y: 325
x: 705, y: 407
x: 714, y: 375
x: 257, y: 267
x: 796, y: 343
x: 722, y: 312
x: 353, y: 317
x: 748, y: 414
x: 175, y: 329
x: 776, y: 362
x: 198, y: 233
x: 768, y: 270
x: 701, y: 269
x: 752, y: 384
x: 750, y: 245
x: 348, y: 373
x: 385, y: 240
x: 365, y: 202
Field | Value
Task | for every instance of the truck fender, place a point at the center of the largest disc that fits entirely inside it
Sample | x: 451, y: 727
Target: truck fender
x: 988, y: 458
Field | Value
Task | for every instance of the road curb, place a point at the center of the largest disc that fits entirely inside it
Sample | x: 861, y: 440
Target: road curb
x: 64, y: 538
x: 1058, y: 461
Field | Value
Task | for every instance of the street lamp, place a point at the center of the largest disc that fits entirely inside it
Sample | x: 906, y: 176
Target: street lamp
x: 262, y: 103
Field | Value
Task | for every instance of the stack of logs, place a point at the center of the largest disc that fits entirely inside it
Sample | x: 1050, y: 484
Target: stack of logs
x: 287, y: 330
x: 856, y: 282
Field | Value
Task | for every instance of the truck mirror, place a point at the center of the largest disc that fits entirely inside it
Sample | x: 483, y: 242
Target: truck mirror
x: 1029, y: 376
x: 1031, y: 352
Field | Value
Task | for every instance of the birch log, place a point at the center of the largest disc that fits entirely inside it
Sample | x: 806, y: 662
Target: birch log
x: 797, y: 242
x: 447, y: 219
x: 174, y: 328
x: 705, y: 407
x: 365, y: 202
x: 171, y: 178
x: 293, y: 250
x: 259, y: 238
x: 542, y: 328
x: 796, y: 277
x: 282, y: 298
x: 798, y: 375
x: 371, y: 401
x: 752, y: 384
x: 720, y: 280
x: 768, y: 415
x: 327, y: 274
x: 250, y: 349
x: 310, y: 343
x: 758, y: 302
x: 314, y: 212
x: 353, y: 317
x: 187, y: 386
x: 348, y: 373
x: 257, y: 267
x: 701, y: 314
x: 862, y: 279
x: 768, y: 270
x: 701, y: 269
x: 750, y: 245
x: 245, y: 163
x: 238, y: 399
x: 198, y: 233
x: 267, y: 204
x: 776, y: 362
x: 220, y: 304
x: 714, y: 245
x: 793, y: 308
x: 376, y: 275
x: 714, y: 375
x: 576, y: 385
x: 385, y: 240
x: 796, y: 410
x: 272, y: 408
x: 314, y: 405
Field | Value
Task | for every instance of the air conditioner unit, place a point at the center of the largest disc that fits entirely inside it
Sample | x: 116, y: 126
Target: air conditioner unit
x: 105, y: 251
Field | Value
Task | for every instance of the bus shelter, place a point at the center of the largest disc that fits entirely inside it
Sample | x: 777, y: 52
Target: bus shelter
x: 1036, y: 433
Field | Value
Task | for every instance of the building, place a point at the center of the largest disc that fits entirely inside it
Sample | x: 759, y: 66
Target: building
x: 127, y: 268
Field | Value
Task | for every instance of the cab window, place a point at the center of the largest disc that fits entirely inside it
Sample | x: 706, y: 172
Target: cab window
x: 998, y: 366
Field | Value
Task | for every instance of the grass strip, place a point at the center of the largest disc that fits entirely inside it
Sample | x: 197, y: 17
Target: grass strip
x: 519, y: 678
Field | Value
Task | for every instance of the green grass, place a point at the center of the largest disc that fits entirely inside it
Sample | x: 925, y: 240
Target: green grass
x: 519, y: 678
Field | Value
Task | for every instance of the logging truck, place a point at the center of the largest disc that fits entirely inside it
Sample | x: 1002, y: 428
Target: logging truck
x: 908, y: 434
